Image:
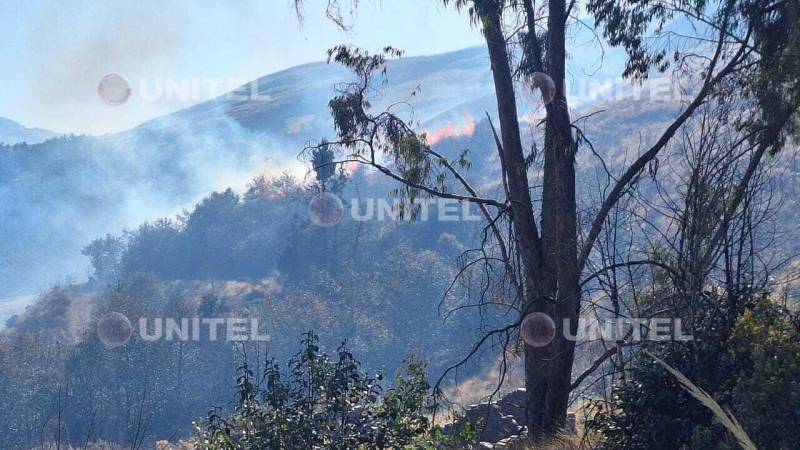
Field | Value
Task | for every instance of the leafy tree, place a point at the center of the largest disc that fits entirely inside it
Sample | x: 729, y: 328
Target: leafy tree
x: 105, y: 254
x: 155, y: 248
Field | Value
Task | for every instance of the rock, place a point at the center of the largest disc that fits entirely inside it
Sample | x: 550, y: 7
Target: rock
x: 501, y: 422
x: 513, y: 404
x: 490, y: 423
x: 166, y: 445
x: 512, y: 442
x: 503, y: 444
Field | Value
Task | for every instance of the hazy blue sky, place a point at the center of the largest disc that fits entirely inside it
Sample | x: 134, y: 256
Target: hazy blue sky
x: 54, y: 53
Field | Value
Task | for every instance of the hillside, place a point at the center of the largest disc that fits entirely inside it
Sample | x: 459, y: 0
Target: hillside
x: 13, y: 133
x: 376, y: 284
x: 83, y: 187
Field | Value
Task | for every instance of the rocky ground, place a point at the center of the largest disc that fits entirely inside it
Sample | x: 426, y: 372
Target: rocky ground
x: 499, y: 423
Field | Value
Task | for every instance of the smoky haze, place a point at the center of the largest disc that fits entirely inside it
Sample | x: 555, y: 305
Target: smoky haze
x: 60, y: 195
x: 54, y: 55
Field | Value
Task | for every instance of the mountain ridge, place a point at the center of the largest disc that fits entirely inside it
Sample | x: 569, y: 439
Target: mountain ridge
x: 62, y: 194
x: 12, y: 133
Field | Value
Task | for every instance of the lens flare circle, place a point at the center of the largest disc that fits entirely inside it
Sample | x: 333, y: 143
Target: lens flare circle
x: 326, y: 210
x: 114, y: 330
x: 114, y: 89
x: 537, y: 329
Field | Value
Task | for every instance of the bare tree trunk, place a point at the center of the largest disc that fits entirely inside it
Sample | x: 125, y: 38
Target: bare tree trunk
x: 552, y: 278
x: 512, y: 155
x: 559, y: 210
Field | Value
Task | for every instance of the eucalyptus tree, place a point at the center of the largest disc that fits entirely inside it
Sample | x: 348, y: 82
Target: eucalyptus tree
x: 737, y: 51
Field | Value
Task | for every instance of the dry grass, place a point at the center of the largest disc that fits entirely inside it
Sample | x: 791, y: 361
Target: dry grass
x: 166, y: 445
x: 562, y: 441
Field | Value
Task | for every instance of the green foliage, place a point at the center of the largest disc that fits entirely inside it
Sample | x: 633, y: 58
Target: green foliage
x: 766, y: 391
x: 755, y: 373
x: 368, y: 137
x: 324, y: 164
x: 324, y: 402
x: 625, y: 24
x: 754, y: 43
x: 266, y: 262
x: 649, y: 410
x: 105, y: 254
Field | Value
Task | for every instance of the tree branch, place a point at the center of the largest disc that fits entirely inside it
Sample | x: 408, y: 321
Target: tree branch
x: 595, y: 365
x: 641, y: 162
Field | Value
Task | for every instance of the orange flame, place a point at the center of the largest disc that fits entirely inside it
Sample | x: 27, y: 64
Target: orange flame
x: 449, y: 131
x: 351, y: 167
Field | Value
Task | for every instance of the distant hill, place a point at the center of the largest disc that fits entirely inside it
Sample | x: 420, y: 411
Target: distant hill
x: 294, y: 102
x: 13, y: 133
x: 59, y: 195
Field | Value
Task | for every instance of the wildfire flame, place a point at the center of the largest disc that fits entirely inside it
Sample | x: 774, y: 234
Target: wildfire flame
x: 450, y: 131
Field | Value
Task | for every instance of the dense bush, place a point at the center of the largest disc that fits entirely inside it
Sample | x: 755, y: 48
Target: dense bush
x: 754, y: 372
x: 766, y: 391
x: 324, y: 402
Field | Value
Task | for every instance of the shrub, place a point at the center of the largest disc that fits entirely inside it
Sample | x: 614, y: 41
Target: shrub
x: 754, y: 372
x: 324, y: 402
